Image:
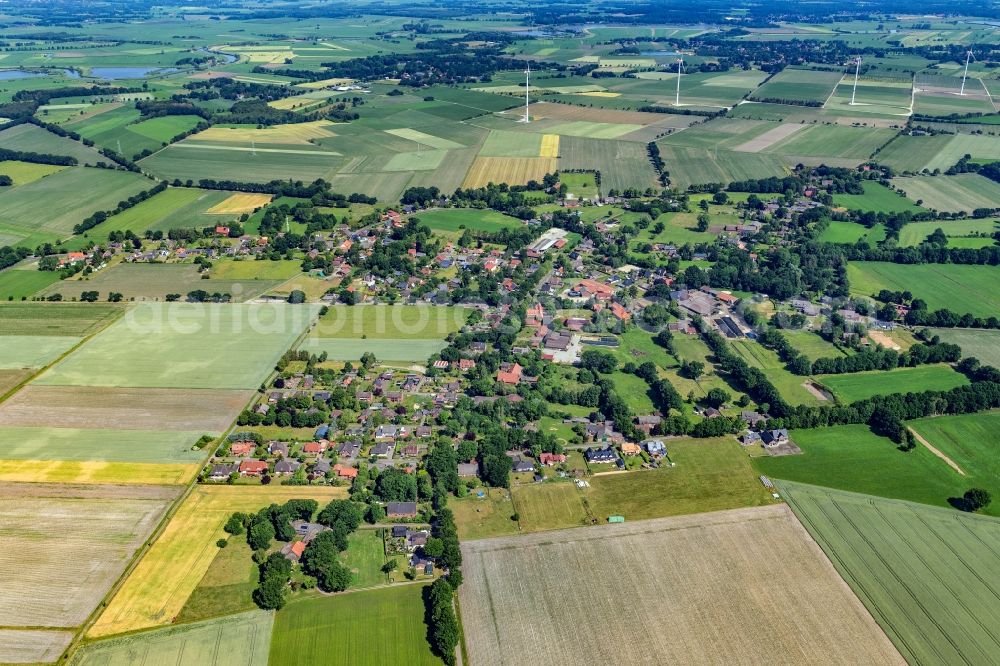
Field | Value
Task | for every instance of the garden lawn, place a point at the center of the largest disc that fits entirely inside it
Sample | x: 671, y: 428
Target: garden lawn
x: 850, y: 457
x: 369, y: 628
x: 365, y: 556
x: 862, y: 385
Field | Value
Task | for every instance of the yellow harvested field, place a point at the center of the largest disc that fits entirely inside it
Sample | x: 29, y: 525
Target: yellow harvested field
x: 161, y: 583
x: 298, y: 133
x: 511, y: 170
x: 747, y: 586
x: 600, y: 93
x: 297, y: 102
x: 74, y: 471
x: 240, y: 203
x: 550, y: 146
x: 325, y: 83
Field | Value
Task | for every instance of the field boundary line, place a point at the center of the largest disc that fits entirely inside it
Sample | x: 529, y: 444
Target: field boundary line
x: 936, y: 451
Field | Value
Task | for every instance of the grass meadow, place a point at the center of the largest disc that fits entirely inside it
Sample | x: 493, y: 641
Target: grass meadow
x: 58, y: 319
x: 391, y: 322
x: 862, y: 385
x: 878, y: 198
x: 916, y: 233
x: 851, y: 458
x: 791, y: 387
x: 960, y: 288
x: 367, y: 628
x: 710, y: 475
x: 455, y: 220
x: 174, y: 208
x: 23, y: 281
x: 851, y: 232
x: 918, y: 569
x: 980, y: 343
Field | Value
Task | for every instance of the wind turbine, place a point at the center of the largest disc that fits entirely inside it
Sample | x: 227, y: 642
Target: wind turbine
x: 253, y: 149
x: 527, y: 88
x: 857, y: 70
x: 677, y: 97
x: 965, y: 75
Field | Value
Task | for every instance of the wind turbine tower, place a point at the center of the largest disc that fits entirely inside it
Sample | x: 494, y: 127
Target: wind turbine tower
x: 677, y: 97
x: 965, y: 75
x: 857, y: 70
x: 527, y: 88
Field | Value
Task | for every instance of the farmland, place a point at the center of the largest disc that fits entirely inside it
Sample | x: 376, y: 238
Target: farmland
x: 122, y: 130
x: 236, y: 640
x: 915, y: 233
x: 981, y: 344
x: 360, y: 629
x: 391, y: 321
x: 154, y: 281
x: 58, y: 319
x: 175, y: 208
x: 70, y: 196
x: 877, y: 197
x: 97, y: 444
x: 861, y: 385
x: 623, y: 164
x: 851, y: 232
x: 210, y: 410
x: 31, y: 351
x: 183, y: 345
x: 23, y: 173
x: 916, y: 568
x: 156, y: 590
x: 23, y: 281
x: 961, y: 288
x: 666, y: 569
x: 963, y: 192
x: 799, y: 85
x: 89, y: 534
x: 29, y: 138
x: 852, y: 458
x: 61, y: 471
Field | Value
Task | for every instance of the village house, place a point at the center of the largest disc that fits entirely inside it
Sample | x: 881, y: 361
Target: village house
x: 401, y: 510
x: 605, y: 455
x: 549, y: 459
x: 252, y: 467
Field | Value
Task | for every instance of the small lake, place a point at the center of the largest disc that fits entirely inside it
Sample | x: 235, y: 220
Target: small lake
x: 13, y: 74
x: 128, y: 72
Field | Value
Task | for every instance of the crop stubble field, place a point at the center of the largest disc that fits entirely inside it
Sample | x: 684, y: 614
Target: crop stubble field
x: 757, y: 566
x: 923, y: 572
x: 54, y: 571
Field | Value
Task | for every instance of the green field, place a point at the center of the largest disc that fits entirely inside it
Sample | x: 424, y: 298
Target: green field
x: 194, y: 161
x: 59, y: 319
x: 27, y: 172
x: 34, y: 139
x: 22, y: 281
x: 851, y: 232
x: 982, y: 344
x: 812, y: 345
x: 122, y: 131
x: 916, y: 233
x: 850, y: 457
x: 970, y: 441
x: 404, y: 322
x: 791, y: 387
x: 186, y: 345
x: 249, y: 269
x: 227, y: 587
x: 861, y: 385
x: 623, y: 164
x: 940, y: 151
x: 694, y: 166
x: 500, y: 143
x: 710, y: 475
x: 174, y: 208
x: 385, y: 349
x: 921, y: 571
x: 799, y: 85
x: 70, y: 196
x: 32, y: 351
x: 358, y: 629
x: 457, y: 220
x: 153, y: 281
x: 958, y: 287
x: 963, y: 192
x: 236, y: 640
x: 831, y: 141
x: 635, y: 391
x: 878, y: 198
x: 107, y: 445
